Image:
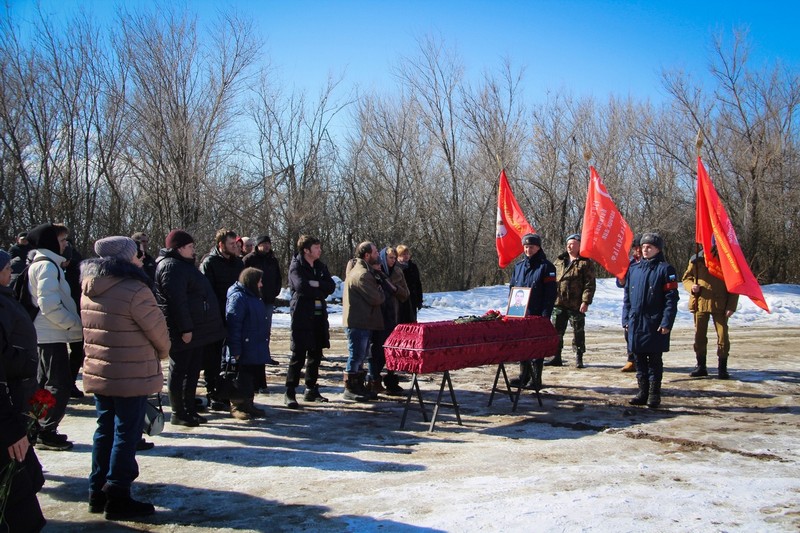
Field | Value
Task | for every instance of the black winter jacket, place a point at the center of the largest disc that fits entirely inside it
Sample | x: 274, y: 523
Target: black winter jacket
x: 187, y: 299
x: 271, y: 279
x: 309, y: 328
x: 222, y: 272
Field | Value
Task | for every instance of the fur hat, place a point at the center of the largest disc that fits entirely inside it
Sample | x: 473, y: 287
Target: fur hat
x: 177, y: 238
x: 4, y: 259
x: 116, y: 247
x: 532, y: 238
x: 653, y: 239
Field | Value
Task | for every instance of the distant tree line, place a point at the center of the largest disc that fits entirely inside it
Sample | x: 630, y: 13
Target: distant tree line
x: 152, y: 123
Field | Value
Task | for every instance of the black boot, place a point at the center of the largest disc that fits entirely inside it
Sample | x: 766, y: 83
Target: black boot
x: 641, y: 398
x: 655, y: 395
x: 700, y: 370
x: 179, y: 415
x: 722, y: 369
x: 351, y: 390
x: 312, y: 394
x: 362, y: 386
x: 392, y: 384
x: 579, y: 360
x: 120, y: 505
x: 556, y: 361
x: 524, y: 376
x: 536, y: 375
x: 97, y: 501
x: 290, y: 399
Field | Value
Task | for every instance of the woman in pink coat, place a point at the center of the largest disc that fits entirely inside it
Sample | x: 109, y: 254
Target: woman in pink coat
x: 126, y: 337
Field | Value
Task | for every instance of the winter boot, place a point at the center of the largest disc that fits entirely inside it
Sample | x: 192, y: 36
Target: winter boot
x: 579, y: 360
x: 179, y: 415
x: 254, y: 411
x: 120, y: 505
x: 239, y: 411
x: 97, y: 501
x: 376, y: 387
x: 351, y: 388
x: 524, y: 376
x: 630, y: 366
x: 312, y: 394
x: 290, y: 399
x: 536, y: 375
x: 722, y: 369
x: 700, y: 370
x: 362, y: 386
x: 641, y: 398
x: 392, y: 385
x: 556, y: 361
x: 655, y: 395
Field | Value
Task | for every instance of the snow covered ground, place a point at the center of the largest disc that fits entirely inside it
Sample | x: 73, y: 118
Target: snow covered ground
x: 717, y: 456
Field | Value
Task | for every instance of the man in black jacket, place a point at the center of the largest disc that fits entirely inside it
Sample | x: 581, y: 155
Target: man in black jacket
x: 222, y: 267
x: 263, y: 258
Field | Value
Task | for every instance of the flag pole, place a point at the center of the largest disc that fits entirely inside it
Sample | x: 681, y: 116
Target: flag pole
x: 698, y: 145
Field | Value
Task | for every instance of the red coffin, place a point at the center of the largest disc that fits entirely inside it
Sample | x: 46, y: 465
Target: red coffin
x: 439, y: 346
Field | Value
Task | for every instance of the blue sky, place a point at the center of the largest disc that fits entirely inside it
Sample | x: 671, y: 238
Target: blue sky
x: 586, y: 48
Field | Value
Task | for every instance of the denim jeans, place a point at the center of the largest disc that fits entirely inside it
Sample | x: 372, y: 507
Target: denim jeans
x: 119, y: 429
x: 358, y: 346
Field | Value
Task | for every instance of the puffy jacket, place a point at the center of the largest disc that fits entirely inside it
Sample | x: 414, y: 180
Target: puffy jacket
x: 58, y: 320
x: 310, y: 329
x: 222, y: 272
x: 539, y: 274
x: 362, y: 298
x: 246, y: 320
x: 186, y: 298
x: 650, y: 302
x: 576, y: 282
x: 271, y: 279
x: 125, y: 333
x: 714, y: 296
x: 20, y: 357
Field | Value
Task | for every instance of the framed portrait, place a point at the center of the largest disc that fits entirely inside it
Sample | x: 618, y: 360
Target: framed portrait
x: 518, y: 301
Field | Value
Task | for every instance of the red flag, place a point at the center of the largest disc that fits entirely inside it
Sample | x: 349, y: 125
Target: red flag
x: 606, y: 236
x: 511, y: 224
x: 729, y: 264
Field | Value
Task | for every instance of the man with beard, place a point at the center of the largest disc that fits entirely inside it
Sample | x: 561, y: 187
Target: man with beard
x: 361, y: 315
x: 222, y: 267
x: 263, y: 258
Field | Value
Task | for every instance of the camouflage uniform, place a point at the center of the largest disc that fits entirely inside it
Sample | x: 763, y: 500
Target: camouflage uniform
x: 713, y: 302
x: 576, y: 285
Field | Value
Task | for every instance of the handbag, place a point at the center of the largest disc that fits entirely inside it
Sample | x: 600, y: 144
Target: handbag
x: 230, y: 384
x: 153, y: 416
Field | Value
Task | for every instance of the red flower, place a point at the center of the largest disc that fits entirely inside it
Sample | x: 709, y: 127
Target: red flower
x: 41, y: 402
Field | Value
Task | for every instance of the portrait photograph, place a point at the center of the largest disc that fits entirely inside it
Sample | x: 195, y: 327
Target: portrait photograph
x: 518, y: 301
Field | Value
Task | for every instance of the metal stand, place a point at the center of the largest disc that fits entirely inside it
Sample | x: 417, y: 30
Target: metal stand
x: 535, y: 369
x: 437, y: 404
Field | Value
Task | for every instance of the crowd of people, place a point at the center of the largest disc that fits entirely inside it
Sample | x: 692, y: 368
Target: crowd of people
x: 119, y: 315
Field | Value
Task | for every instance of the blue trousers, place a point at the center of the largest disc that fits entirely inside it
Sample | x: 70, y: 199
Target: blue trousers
x: 119, y: 429
x: 650, y: 366
x: 358, y: 346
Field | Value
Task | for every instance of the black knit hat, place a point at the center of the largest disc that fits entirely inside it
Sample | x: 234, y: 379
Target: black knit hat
x: 262, y: 239
x: 177, y: 238
x: 637, y: 240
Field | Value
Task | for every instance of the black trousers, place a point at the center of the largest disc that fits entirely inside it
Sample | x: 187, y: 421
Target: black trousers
x: 312, y: 360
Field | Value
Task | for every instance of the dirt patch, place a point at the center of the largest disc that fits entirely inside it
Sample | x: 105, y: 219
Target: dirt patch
x: 716, y: 455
